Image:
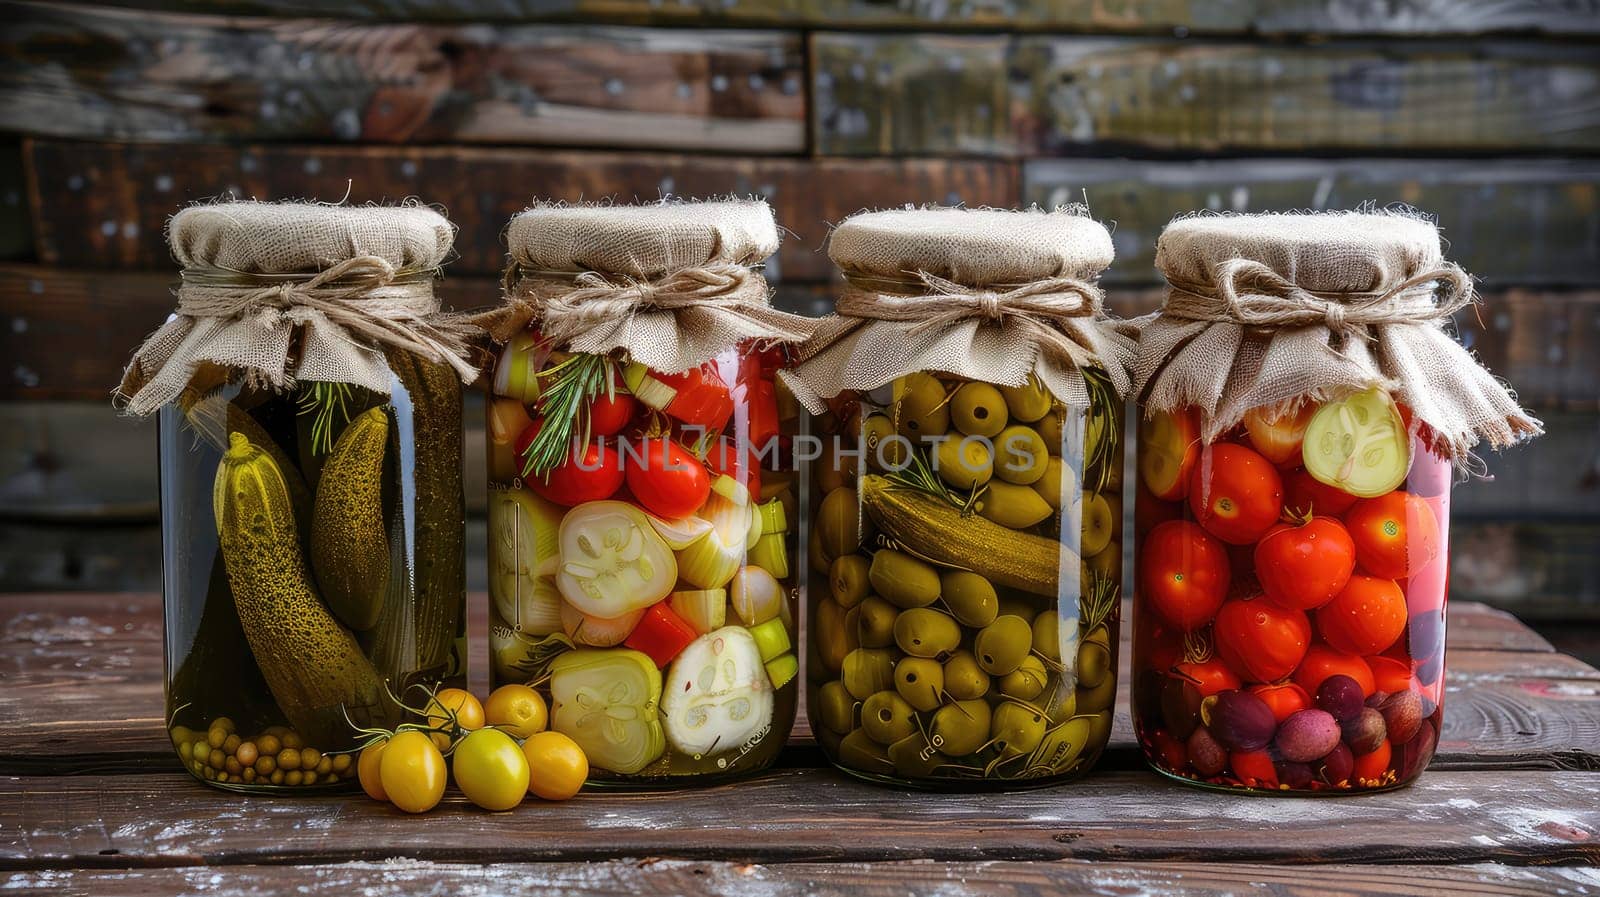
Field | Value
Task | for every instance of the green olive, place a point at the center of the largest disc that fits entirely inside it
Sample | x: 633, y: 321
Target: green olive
x: 1017, y: 507
x: 964, y: 463
x: 1001, y: 645
x: 875, y: 622
x: 1099, y: 730
x: 964, y: 680
x: 1018, y: 607
x: 858, y: 751
x: 887, y: 718
x: 836, y: 707
x: 902, y: 579
x: 920, y: 681
x: 881, y: 451
x: 961, y: 728
x: 1047, y: 636
x: 978, y: 409
x: 868, y: 671
x: 832, y: 635
x: 1058, y: 485
x: 915, y: 758
x: 920, y: 407
x: 830, y: 475
x: 1064, y: 744
x: 829, y: 740
x: 1020, y: 455
x: 847, y: 579
x: 839, y: 526
x: 926, y: 632
x: 1016, y: 729
x: 1051, y: 428
x: 1098, y: 523
x: 1028, y: 402
x: 817, y: 556
x: 1094, y: 659
x: 1027, y: 681
x: 970, y: 597
x: 1098, y: 698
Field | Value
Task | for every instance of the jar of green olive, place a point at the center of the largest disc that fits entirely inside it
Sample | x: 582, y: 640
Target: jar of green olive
x: 964, y: 556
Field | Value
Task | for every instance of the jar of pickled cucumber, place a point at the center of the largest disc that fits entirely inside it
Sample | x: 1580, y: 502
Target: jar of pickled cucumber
x: 964, y: 559
x: 309, y: 408
x: 643, y: 514
x: 1303, y: 410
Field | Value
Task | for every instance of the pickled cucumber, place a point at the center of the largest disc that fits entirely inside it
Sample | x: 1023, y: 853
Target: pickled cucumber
x: 1358, y: 444
x: 349, y: 541
x: 312, y: 664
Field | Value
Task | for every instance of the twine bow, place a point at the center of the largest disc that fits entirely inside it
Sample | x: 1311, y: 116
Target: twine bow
x: 885, y: 328
x: 673, y: 322
x: 1247, y: 292
x: 350, y: 312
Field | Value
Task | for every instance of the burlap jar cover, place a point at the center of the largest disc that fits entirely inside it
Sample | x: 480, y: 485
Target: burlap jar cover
x: 672, y: 283
x: 985, y: 294
x: 279, y: 293
x: 1275, y: 310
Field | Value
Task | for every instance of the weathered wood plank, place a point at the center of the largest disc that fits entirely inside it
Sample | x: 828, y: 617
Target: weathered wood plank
x: 1532, y: 818
x: 1509, y: 223
x: 84, y: 677
x: 1024, y: 95
x: 399, y: 878
x: 16, y: 227
x: 104, y: 205
x: 1408, y: 17
x: 106, y: 74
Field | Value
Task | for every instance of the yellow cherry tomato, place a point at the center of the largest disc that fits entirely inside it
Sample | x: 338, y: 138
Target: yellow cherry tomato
x: 557, y: 767
x: 468, y: 712
x: 490, y: 769
x: 517, y: 709
x: 413, y: 772
x: 367, y: 770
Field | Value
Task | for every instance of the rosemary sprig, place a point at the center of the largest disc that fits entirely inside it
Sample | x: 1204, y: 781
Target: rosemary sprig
x: 327, y: 401
x: 1103, y: 402
x: 564, y: 407
x: 919, y: 475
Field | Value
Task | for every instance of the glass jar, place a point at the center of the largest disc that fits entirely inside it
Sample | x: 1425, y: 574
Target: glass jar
x: 643, y: 583
x: 1289, y: 615
x: 965, y: 572
x: 313, y: 565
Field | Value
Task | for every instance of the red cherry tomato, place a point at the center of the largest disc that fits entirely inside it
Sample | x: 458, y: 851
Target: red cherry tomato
x: 1169, y: 445
x: 1261, y: 641
x: 1184, y: 573
x: 1254, y: 768
x: 1305, y: 494
x: 1390, y: 674
x: 1279, y: 437
x: 1370, y: 768
x: 1208, y: 676
x: 1304, y: 566
x: 1396, y: 535
x: 728, y: 457
x: 593, y: 474
x: 1285, y: 699
x: 667, y: 480
x: 1235, y: 493
x: 1365, y: 618
x: 1322, y: 661
x: 1157, y: 644
x: 608, y: 415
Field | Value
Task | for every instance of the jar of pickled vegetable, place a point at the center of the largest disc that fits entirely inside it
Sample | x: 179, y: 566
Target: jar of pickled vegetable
x: 964, y: 559
x: 642, y: 511
x: 1303, y: 409
x: 311, y: 508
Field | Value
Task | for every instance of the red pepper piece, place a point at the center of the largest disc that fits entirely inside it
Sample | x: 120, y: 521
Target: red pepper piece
x: 702, y: 398
x: 661, y: 634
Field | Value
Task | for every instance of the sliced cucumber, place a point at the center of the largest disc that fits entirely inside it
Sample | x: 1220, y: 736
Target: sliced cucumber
x: 1359, y: 444
x: 612, y: 560
x: 523, y: 534
x: 718, y: 694
x: 607, y: 701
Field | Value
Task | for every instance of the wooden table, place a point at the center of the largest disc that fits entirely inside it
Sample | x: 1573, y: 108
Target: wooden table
x: 92, y: 801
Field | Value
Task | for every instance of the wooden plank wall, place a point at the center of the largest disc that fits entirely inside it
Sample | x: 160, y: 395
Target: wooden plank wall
x: 113, y: 115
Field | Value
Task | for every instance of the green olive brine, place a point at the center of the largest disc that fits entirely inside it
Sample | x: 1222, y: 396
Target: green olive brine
x: 964, y: 581
x: 314, y: 566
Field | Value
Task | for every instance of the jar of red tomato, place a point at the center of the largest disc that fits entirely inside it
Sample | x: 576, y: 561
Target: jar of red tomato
x: 1302, y: 410
x: 642, y: 516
